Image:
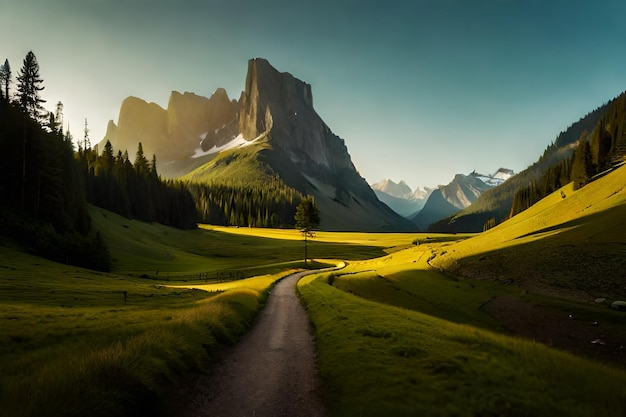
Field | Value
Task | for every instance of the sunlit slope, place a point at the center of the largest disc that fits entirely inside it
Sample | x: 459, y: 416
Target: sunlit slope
x: 142, y: 248
x: 382, y: 240
x: 570, y: 239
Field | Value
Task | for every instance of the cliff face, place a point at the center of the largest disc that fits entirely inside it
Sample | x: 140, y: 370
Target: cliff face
x: 278, y: 107
x: 138, y: 121
x: 282, y: 106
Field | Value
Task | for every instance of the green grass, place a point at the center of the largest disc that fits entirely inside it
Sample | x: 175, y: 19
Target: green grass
x: 71, y: 345
x: 397, y: 337
x: 377, y: 359
x: 394, y: 336
x: 77, y: 342
x: 139, y: 248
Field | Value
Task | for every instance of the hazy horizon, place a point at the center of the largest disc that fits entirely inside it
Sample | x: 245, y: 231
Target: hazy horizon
x: 419, y: 90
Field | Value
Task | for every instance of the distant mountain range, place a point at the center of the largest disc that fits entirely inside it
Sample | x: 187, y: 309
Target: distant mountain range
x: 400, y: 198
x: 428, y: 205
x: 272, y: 133
x: 459, y: 194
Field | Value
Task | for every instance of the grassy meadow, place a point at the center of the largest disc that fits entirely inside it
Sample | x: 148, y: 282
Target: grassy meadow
x: 378, y: 359
x: 75, y: 342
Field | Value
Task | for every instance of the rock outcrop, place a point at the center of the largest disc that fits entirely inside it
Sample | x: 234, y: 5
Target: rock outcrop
x: 138, y: 121
x: 278, y: 107
x: 280, y: 104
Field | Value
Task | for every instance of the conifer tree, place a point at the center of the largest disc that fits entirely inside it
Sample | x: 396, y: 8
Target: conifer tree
x: 5, y: 79
x: 29, y: 86
x: 307, y: 220
x: 141, y: 163
x: 581, y: 165
x: 58, y: 117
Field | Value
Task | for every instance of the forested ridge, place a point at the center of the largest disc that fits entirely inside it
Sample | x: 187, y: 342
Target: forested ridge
x: 134, y: 190
x: 595, y: 153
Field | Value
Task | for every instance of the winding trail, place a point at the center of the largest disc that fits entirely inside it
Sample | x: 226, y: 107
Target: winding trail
x: 271, y: 372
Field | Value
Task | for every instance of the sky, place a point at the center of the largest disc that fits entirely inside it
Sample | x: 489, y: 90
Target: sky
x: 419, y: 90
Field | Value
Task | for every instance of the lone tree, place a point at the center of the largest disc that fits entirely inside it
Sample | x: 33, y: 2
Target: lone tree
x: 307, y: 219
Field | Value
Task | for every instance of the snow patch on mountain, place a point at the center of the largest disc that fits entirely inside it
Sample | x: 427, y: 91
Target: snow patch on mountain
x: 496, y: 178
x: 236, y: 142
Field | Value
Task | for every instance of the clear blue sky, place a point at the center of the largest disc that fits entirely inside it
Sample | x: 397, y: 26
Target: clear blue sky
x: 419, y: 90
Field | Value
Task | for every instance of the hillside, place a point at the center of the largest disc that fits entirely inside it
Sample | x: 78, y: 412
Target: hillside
x: 496, y: 203
x: 582, y: 231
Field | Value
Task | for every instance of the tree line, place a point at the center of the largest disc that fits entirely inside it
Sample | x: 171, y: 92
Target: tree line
x: 134, y: 189
x: 42, y: 197
x: 255, y: 205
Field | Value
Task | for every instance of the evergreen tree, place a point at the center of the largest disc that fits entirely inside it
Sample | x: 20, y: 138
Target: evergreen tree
x: 86, y: 141
x: 153, y: 167
x: 141, y: 163
x: 581, y: 165
x: 58, y: 117
x: 5, y: 79
x: 29, y: 86
x: 307, y: 220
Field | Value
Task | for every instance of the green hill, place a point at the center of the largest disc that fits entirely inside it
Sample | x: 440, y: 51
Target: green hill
x: 575, y: 242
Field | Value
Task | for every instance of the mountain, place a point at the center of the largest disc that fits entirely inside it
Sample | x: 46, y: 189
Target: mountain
x: 271, y: 135
x: 446, y: 200
x: 399, y: 190
x: 400, y: 198
x: 190, y: 124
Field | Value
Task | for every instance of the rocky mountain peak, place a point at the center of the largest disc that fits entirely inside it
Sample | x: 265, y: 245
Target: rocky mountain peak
x: 280, y: 106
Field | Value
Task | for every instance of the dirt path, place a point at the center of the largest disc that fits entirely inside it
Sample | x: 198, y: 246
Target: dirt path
x: 271, y: 372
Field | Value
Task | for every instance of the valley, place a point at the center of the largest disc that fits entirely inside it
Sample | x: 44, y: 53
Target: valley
x: 411, y: 322
x: 126, y: 281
